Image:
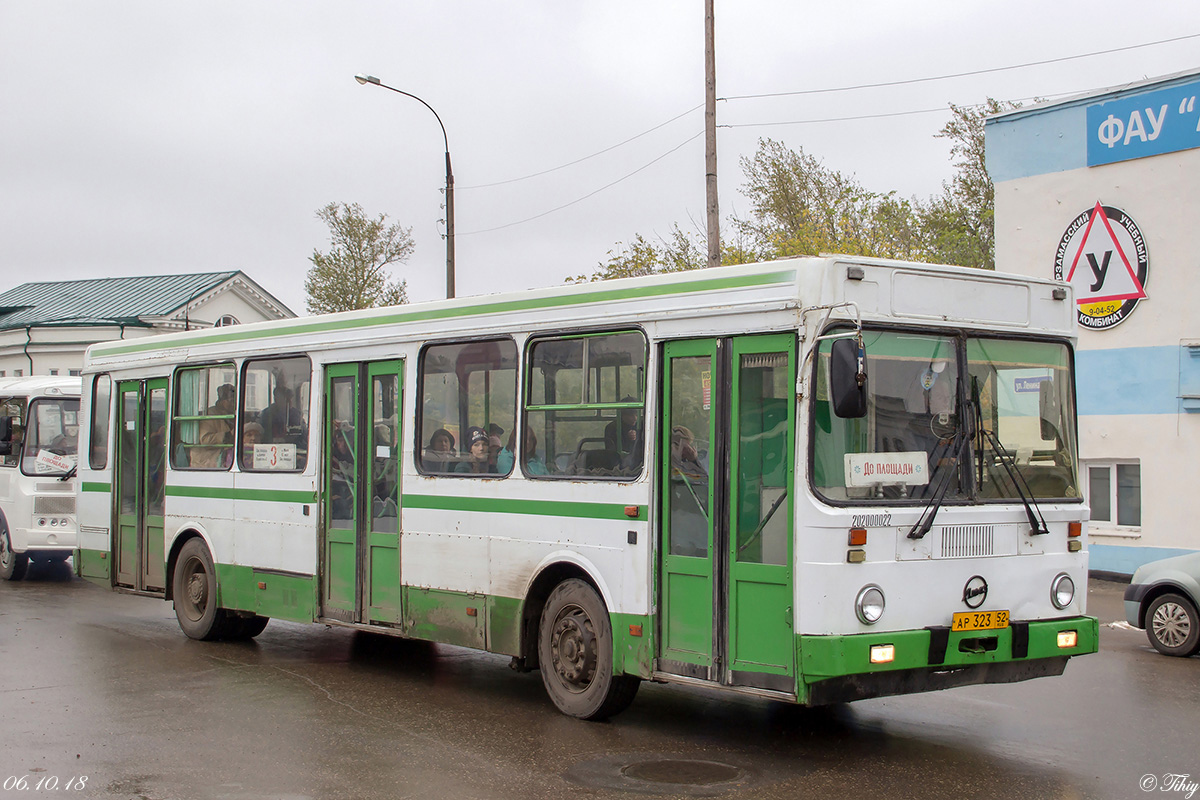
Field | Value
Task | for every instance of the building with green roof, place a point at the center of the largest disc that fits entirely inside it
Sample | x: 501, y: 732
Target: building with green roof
x: 45, y: 326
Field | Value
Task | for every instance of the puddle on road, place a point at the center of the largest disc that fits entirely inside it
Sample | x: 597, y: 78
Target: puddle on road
x: 660, y: 774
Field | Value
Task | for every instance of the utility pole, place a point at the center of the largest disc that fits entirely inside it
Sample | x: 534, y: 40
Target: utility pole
x: 710, y: 137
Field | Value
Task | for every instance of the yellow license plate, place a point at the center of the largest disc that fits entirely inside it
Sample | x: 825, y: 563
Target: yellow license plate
x: 980, y: 621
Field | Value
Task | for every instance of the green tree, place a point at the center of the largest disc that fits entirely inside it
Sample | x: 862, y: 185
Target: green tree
x: 801, y: 207
x: 959, y: 225
x: 798, y: 206
x: 354, y: 274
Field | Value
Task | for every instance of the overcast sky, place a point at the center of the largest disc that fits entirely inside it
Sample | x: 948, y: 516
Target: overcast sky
x: 141, y: 138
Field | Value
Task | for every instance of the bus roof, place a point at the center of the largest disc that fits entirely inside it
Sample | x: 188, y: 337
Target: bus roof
x: 40, y: 385
x: 786, y: 284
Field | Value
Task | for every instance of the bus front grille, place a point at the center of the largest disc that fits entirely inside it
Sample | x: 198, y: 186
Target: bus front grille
x: 53, y: 505
x: 968, y: 541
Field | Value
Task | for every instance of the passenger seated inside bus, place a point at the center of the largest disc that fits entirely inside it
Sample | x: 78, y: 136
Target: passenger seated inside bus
x: 439, y: 453
x: 533, y: 463
x: 478, y: 454
x: 216, y: 435
x: 623, y: 436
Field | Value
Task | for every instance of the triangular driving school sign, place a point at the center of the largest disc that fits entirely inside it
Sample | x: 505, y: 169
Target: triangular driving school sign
x: 1102, y: 254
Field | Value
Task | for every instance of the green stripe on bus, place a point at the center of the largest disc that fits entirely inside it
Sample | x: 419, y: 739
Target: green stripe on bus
x: 95, y: 486
x: 543, y: 508
x: 494, y: 307
x: 227, y: 493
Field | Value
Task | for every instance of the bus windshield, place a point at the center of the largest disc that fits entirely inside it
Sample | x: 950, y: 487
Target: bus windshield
x: 1015, y: 396
x: 51, y: 440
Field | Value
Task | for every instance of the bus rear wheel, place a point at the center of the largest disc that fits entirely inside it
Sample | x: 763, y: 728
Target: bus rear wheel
x: 195, y: 591
x: 575, y: 651
x: 12, y: 564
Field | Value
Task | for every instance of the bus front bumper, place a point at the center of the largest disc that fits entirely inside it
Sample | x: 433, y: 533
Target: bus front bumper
x: 839, y: 669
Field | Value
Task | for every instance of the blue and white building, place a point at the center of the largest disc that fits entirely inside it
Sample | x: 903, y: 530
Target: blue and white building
x: 1103, y: 190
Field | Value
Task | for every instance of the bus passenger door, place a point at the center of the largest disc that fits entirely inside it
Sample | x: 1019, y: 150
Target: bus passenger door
x: 727, y: 465
x: 140, y: 491
x: 762, y: 445
x: 688, y: 450
x: 361, y: 478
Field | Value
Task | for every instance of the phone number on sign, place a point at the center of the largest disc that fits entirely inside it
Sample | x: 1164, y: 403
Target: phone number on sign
x: 47, y: 782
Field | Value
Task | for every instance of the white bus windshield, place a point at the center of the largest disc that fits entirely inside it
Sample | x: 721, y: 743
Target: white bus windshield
x: 51, y: 440
x: 921, y: 407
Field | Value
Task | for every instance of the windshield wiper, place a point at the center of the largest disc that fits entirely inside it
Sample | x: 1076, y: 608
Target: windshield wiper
x: 946, y: 466
x: 66, y: 476
x: 1011, y: 467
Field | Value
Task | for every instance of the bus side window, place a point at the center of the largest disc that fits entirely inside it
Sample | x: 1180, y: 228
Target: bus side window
x: 276, y: 396
x: 101, y: 412
x: 585, y: 406
x: 468, y: 408
x: 204, y: 420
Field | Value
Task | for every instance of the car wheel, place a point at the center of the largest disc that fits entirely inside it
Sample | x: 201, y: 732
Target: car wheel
x: 1173, y: 626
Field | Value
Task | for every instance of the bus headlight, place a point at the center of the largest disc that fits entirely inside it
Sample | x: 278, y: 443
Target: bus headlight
x: 1062, y: 591
x: 869, y: 604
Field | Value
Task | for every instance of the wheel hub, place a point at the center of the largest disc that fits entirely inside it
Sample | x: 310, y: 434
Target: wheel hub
x: 197, y: 590
x: 1171, y: 624
x: 573, y: 647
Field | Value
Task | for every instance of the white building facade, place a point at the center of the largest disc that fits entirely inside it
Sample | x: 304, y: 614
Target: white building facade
x: 1102, y: 190
x: 45, y: 327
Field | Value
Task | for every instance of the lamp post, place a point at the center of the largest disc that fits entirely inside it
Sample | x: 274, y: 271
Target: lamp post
x: 365, y: 79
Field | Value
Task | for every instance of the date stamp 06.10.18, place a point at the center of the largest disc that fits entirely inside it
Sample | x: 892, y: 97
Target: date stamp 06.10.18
x: 44, y: 783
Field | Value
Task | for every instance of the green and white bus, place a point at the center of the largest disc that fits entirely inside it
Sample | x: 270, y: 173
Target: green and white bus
x: 814, y: 480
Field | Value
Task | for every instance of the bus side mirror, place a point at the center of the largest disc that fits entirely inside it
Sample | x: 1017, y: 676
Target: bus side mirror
x: 847, y: 386
x: 6, y: 432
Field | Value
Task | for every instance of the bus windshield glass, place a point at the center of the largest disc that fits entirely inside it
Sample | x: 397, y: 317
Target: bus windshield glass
x: 51, y: 441
x: 930, y: 424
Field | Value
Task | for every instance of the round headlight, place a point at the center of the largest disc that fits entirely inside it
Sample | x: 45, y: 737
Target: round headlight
x: 869, y: 604
x: 1062, y: 591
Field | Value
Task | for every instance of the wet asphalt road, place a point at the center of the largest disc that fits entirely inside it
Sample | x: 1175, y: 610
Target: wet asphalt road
x: 105, y: 687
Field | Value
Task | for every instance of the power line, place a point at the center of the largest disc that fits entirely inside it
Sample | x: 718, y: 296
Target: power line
x: 941, y: 109
x: 585, y: 158
x: 590, y: 194
x: 960, y: 74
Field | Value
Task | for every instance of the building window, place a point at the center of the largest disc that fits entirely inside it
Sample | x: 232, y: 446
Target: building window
x: 18, y: 373
x: 74, y: 373
x: 53, y: 373
x: 1115, y: 493
x: 226, y: 319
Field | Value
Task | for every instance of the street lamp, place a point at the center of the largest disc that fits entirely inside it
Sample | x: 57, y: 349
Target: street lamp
x: 365, y: 79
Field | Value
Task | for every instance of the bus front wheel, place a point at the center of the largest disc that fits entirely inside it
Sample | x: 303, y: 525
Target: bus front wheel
x: 195, y: 590
x: 575, y: 651
x: 12, y: 563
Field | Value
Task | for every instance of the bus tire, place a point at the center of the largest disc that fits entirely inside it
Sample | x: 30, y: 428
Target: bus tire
x: 12, y: 564
x: 575, y: 651
x: 246, y: 627
x: 195, y: 591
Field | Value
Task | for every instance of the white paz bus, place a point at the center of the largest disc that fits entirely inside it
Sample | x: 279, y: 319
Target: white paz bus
x: 38, y: 441
x: 815, y: 480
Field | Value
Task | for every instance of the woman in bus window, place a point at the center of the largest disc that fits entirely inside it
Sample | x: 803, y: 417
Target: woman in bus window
x: 440, y: 452
x: 478, y: 454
